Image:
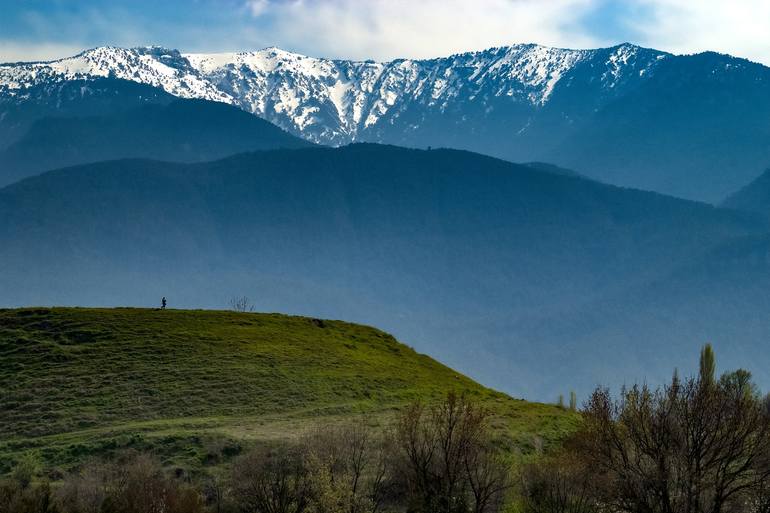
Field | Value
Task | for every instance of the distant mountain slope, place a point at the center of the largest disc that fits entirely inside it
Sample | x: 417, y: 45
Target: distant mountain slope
x: 696, y: 127
x: 550, y: 168
x: 183, y: 130
x: 185, y: 383
x: 91, y: 96
x: 692, y: 126
x: 754, y: 197
x: 456, y: 253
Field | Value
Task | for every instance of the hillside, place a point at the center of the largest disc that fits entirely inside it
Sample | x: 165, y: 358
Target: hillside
x: 692, y: 126
x: 180, y: 131
x: 77, y: 382
x: 481, y: 263
x: 754, y: 197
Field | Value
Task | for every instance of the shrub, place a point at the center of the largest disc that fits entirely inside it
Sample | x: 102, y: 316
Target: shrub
x: 137, y: 484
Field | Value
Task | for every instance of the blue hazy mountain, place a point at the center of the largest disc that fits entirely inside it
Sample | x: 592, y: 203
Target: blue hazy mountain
x: 177, y: 130
x: 76, y: 97
x: 754, y: 197
x: 532, y: 281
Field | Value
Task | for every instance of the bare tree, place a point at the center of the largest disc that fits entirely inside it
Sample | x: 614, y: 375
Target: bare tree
x: 241, y: 304
x: 698, y: 446
x: 348, y: 466
x: 488, y: 477
x: 135, y: 484
x: 558, y: 484
x: 445, y: 459
x: 271, y: 481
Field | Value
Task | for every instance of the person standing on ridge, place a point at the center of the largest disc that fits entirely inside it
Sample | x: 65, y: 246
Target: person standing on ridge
x: 163, y: 303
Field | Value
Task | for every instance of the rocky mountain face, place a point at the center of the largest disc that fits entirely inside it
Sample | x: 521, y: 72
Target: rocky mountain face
x: 691, y: 126
x: 338, y: 102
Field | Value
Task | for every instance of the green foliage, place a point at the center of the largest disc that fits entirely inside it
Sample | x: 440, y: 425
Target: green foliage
x: 26, y: 469
x: 196, y: 387
x: 707, y: 371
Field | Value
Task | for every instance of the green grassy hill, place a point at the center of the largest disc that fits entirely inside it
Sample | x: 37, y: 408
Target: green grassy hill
x: 196, y: 386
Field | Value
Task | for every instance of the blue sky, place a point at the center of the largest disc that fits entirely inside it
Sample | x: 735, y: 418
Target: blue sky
x: 381, y: 29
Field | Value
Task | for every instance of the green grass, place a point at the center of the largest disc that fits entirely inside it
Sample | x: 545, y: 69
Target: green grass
x: 198, y: 386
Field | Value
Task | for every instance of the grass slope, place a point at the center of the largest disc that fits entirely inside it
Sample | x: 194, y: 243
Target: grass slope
x: 196, y: 386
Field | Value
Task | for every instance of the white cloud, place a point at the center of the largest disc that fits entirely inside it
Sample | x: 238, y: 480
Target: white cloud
x: 386, y: 29
x: 258, y: 7
x: 737, y: 27
x: 13, y: 51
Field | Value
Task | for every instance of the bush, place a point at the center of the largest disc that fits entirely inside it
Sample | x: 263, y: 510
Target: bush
x: 18, y: 498
x: 135, y: 485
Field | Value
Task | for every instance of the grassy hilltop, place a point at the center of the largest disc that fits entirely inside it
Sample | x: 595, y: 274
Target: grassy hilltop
x: 196, y: 386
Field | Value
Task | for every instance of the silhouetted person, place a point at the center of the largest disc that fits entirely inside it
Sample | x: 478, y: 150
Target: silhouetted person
x: 163, y: 303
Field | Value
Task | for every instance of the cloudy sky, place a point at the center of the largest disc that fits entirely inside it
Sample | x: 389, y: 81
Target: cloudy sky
x: 381, y: 29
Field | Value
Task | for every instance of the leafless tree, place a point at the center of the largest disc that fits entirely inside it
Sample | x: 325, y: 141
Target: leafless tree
x: 241, y: 304
x: 695, y: 446
x: 348, y: 466
x: 446, y: 461
x: 135, y: 484
x: 560, y: 483
x: 271, y: 481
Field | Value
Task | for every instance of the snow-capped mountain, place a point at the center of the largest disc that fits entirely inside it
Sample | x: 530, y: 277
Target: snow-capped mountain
x: 334, y: 101
x: 693, y: 126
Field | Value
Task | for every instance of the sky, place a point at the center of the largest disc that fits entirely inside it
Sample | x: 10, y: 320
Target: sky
x: 381, y: 29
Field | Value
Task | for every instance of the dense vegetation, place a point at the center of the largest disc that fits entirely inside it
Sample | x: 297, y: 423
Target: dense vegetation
x: 197, y: 387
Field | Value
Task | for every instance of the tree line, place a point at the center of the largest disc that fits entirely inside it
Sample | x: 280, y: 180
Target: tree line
x: 696, y: 445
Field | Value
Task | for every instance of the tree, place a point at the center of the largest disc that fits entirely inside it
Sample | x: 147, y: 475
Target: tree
x: 348, y: 468
x: 560, y: 483
x: 707, y: 368
x: 271, y: 481
x: 694, y: 446
x: 446, y: 462
x: 241, y: 304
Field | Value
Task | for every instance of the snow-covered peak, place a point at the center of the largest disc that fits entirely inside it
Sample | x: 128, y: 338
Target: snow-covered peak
x: 155, y: 66
x: 333, y: 101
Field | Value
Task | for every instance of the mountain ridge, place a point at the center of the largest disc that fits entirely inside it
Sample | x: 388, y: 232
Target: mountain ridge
x: 532, y: 69
x: 691, y: 126
x: 182, y: 130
